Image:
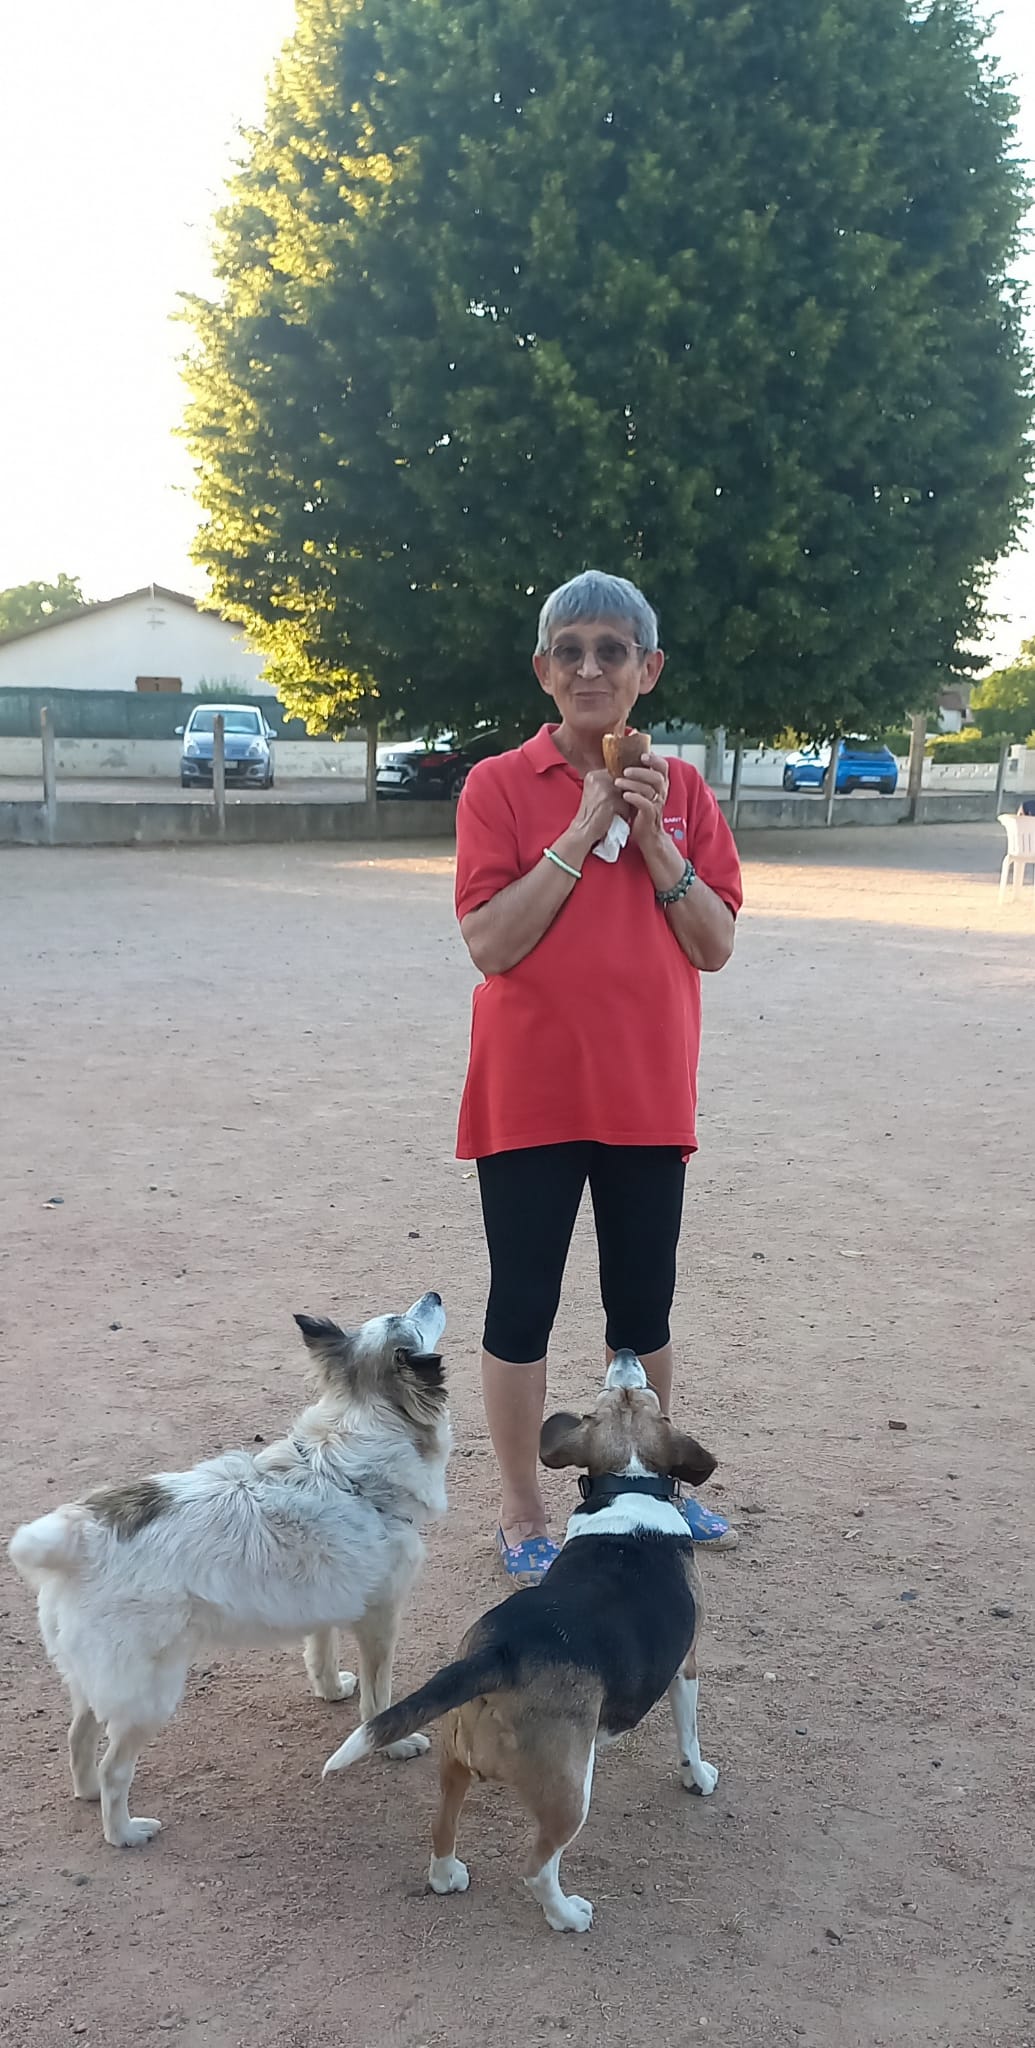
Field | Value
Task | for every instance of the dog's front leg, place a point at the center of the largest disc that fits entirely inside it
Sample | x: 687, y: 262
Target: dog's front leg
x: 696, y: 1775
x: 321, y: 1662
x: 376, y: 1636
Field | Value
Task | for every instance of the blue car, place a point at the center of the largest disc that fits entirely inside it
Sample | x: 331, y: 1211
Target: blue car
x: 861, y: 764
x: 247, y: 745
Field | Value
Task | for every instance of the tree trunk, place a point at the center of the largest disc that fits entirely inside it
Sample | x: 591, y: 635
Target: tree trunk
x: 715, y: 756
x: 830, y: 785
x: 916, y: 763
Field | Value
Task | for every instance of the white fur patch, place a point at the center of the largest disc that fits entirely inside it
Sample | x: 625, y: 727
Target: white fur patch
x: 696, y: 1774
x: 625, y: 1370
x: 359, y: 1745
x: 630, y: 1514
x: 447, y: 1874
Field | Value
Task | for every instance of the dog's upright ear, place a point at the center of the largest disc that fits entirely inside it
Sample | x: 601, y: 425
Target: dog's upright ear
x: 564, y: 1440
x: 331, y: 1348
x: 688, y: 1460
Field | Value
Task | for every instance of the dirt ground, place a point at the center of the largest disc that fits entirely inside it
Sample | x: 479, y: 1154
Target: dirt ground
x: 239, y: 1072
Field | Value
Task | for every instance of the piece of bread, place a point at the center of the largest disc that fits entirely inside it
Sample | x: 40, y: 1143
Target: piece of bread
x: 624, y: 750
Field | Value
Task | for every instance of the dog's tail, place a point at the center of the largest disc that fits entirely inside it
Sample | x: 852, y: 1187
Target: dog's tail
x: 52, y: 1544
x: 483, y: 1671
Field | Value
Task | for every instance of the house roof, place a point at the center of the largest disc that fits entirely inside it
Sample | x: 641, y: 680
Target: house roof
x: 104, y: 604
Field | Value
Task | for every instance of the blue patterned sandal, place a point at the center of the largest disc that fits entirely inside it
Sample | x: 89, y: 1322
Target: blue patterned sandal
x: 528, y: 1560
x: 706, y: 1527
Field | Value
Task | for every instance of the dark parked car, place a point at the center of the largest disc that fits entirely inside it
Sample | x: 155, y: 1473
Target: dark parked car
x: 417, y: 768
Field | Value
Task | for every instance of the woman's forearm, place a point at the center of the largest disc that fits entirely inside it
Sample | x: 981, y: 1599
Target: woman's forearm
x: 702, y: 924
x: 503, y: 931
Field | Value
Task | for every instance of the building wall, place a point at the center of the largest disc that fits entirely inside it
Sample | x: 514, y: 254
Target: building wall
x: 109, y: 648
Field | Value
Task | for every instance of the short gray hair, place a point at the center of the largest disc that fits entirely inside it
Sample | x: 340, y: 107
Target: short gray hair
x: 596, y: 596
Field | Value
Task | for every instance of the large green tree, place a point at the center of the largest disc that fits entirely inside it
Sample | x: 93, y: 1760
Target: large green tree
x: 717, y: 293
x: 35, y: 604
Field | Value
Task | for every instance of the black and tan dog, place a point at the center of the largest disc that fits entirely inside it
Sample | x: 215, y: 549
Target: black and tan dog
x: 573, y: 1663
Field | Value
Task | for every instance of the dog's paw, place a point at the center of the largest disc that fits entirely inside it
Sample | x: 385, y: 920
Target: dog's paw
x: 340, y: 1688
x: 407, y: 1746
x: 135, y: 1834
x: 701, y: 1778
x: 448, y: 1874
x: 570, y: 1916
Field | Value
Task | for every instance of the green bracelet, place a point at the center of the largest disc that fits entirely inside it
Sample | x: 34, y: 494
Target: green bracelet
x: 549, y: 854
x: 666, y: 897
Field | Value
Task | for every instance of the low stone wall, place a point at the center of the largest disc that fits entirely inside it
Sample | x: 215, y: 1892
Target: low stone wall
x: 808, y: 813
x: 116, y: 823
x: 185, y: 824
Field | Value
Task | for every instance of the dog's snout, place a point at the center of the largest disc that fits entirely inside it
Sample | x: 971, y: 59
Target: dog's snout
x: 625, y: 1370
x: 428, y: 1317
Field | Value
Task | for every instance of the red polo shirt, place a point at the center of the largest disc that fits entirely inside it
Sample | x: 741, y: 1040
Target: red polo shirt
x: 596, y: 1033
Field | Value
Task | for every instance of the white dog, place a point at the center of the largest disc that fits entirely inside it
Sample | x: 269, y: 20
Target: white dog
x: 315, y: 1533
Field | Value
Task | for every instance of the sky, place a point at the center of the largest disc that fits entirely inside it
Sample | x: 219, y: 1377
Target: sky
x: 117, y: 128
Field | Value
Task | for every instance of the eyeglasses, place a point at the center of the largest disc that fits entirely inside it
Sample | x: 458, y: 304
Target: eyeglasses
x: 607, y: 653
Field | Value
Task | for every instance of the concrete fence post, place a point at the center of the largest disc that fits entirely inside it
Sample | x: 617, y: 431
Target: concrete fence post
x: 219, y: 773
x: 1000, y: 780
x: 49, y: 773
x: 736, y: 779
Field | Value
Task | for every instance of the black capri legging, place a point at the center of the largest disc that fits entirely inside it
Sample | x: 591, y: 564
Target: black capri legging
x: 530, y: 1200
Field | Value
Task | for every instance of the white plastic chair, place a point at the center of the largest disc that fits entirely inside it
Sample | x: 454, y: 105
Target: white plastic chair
x: 1020, y: 852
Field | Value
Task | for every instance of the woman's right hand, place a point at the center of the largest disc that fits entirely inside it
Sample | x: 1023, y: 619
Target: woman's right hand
x: 601, y: 803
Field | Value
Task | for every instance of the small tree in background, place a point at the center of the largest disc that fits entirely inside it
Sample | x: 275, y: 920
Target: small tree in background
x: 36, y: 604
x: 1003, y: 706
x: 725, y: 303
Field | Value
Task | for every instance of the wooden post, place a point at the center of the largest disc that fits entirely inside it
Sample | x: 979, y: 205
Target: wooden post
x: 735, y: 779
x: 49, y: 774
x: 1000, y: 780
x: 830, y: 786
x: 916, y: 764
x: 219, y: 773
x: 373, y: 730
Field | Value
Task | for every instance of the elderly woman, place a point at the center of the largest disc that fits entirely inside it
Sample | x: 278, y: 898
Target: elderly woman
x: 592, y: 937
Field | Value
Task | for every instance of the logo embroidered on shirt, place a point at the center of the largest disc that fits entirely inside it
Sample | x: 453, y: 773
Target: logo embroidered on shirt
x: 675, y: 826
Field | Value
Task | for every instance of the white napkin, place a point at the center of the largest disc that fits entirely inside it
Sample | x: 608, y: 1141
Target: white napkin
x: 610, y: 846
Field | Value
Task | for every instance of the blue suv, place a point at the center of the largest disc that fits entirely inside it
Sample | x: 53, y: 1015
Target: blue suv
x: 861, y: 764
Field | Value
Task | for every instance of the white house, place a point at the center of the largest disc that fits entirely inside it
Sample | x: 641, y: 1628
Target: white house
x: 150, y: 639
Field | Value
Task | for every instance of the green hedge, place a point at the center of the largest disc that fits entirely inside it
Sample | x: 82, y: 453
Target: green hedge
x: 116, y: 714
x: 963, y: 747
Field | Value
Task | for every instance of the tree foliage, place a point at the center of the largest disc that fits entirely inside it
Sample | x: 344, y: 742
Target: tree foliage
x: 33, y: 604
x: 1003, y: 706
x: 718, y: 295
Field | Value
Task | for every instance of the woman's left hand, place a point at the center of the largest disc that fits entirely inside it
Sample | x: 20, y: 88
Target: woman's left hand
x: 645, y: 790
